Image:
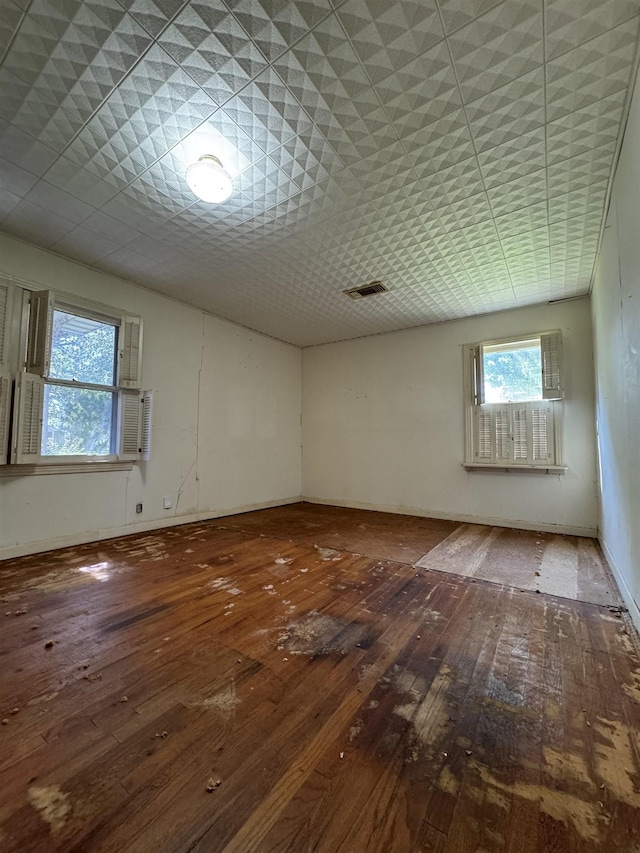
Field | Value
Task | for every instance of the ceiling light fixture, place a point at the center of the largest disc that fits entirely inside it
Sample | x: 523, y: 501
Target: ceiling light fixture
x: 209, y: 180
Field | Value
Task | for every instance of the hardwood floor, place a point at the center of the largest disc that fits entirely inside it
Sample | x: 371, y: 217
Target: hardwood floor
x: 288, y: 680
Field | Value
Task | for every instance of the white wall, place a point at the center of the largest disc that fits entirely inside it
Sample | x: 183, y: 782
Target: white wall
x: 616, y: 322
x: 226, y: 421
x: 384, y: 428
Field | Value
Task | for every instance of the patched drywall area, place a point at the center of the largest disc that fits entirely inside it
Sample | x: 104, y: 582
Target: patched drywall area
x: 616, y: 323
x: 226, y: 421
x: 383, y: 425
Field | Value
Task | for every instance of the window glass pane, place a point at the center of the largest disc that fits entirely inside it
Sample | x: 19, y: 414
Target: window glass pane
x: 77, y: 421
x: 512, y: 373
x: 82, y: 349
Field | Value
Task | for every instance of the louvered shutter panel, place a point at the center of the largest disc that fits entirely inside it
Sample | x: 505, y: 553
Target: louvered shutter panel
x: 129, y: 425
x: 39, y: 337
x: 5, y: 321
x: 131, y: 363
x: 551, y: 352
x: 29, y: 424
x: 482, y: 436
x: 502, y: 434
x: 147, y: 407
x: 542, y: 443
x: 520, y: 443
x: 5, y: 403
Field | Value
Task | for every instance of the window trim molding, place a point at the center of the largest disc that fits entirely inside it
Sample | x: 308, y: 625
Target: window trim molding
x: 89, y: 467
x: 471, y: 377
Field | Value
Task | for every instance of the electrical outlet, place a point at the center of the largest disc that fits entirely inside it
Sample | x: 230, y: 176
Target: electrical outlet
x: 138, y: 508
x: 167, y: 503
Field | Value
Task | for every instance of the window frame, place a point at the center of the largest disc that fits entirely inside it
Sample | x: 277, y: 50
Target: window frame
x: 131, y: 429
x: 552, y: 404
x: 113, y: 319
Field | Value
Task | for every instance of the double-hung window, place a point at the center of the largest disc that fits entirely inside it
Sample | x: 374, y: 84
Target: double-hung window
x: 513, y: 408
x: 75, y: 382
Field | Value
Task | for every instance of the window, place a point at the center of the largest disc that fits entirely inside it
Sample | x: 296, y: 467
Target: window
x: 76, y: 397
x: 513, y: 396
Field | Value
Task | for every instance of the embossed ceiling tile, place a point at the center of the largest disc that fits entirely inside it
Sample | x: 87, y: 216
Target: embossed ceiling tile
x: 357, y: 127
x: 525, y: 242
x: 137, y: 215
x: 35, y: 114
x: 569, y: 24
x: 9, y: 23
x: 76, y: 52
x: 329, y: 60
x: 524, y: 219
x: 583, y: 170
x: 579, y: 202
x: 212, y: 47
x: 8, y: 201
x: 457, y: 13
x: 388, y: 35
x: 493, y: 276
x: 35, y: 225
x: 275, y: 26
x: 498, y: 47
x: 593, y: 126
x: 480, y: 234
x: 513, y: 159
x: 454, y: 183
x: 577, y: 250
x: 25, y: 151
x: 14, y: 179
x: 421, y: 92
x: 155, y: 107
x: 263, y: 185
x: 575, y: 228
x: 440, y: 144
x: 58, y: 202
x: 153, y: 15
x: 85, y: 246
x: 267, y: 111
x: 529, y: 261
x: 513, y: 110
x: 522, y: 192
x: 466, y: 213
x: 151, y: 191
x: 595, y: 70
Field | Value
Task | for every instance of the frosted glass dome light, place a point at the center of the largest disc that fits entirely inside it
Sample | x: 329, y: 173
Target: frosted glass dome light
x: 209, y: 180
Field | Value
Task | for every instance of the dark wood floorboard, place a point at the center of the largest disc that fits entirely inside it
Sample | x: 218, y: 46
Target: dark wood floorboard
x: 335, y: 700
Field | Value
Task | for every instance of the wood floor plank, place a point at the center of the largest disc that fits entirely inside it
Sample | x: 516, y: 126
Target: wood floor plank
x: 338, y: 698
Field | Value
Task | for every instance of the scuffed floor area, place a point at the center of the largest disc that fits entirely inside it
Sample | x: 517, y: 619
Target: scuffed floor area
x: 240, y: 685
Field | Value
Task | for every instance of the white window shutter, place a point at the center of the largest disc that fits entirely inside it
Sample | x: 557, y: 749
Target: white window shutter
x: 482, y: 434
x: 502, y: 434
x: 6, y: 291
x: 30, y: 393
x: 520, y: 437
x: 129, y: 424
x: 551, y: 352
x: 542, y: 432
x: 5, y: 405
x: 147, y: 412
x: 131, y: 359
x: 39, y: 336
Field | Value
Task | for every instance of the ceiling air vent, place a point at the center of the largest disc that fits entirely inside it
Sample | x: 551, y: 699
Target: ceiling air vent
x: 367, y: 290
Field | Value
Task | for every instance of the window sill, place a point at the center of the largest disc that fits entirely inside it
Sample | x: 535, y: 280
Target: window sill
x: 506, y: 469
x: 63, y: 468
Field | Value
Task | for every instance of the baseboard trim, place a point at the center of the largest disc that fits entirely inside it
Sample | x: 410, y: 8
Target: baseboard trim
x: 569, y: 530
x: 634, y: 611
x: 84, y: 537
